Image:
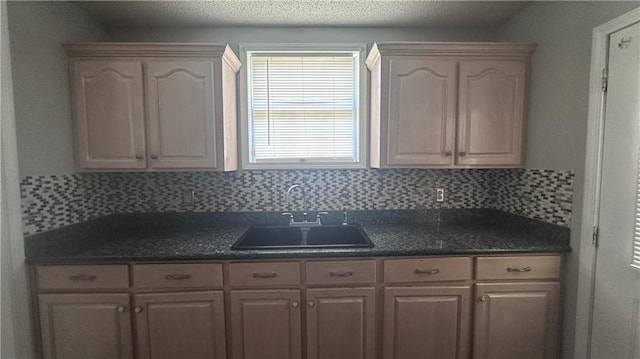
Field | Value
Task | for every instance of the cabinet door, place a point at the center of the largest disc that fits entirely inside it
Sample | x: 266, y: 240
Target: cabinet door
x: 85, y: 326
x: 516, y: 320
x: 181, y: 128
x: 341, y: 323
x: 422, y: 98
x: 109, y: 117
x: 491, y: 111
x: 265, y: 324
x: 426, y: 322
x: 180, y: 325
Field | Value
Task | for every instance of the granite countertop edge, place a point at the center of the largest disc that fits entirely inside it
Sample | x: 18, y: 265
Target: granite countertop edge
x: 139, y: 238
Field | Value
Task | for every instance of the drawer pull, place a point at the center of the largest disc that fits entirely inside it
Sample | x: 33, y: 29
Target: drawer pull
x: 177, y: 276
x: 265, y: 275
x: 83, y: 277
x: 340, y: 274
x: 122, y: 309
x: 518, y: 270
x: 427, y: 271
x: 295, y: 304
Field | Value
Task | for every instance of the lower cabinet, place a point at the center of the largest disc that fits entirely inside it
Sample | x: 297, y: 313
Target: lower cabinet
x: 516, y: 320
x: 85, y: 326
x: 168, y: 325
x: 325, y: 309
x: 180, y: 325
x: 341, y: 323
x: 426, y: 322
x: 265, y: 324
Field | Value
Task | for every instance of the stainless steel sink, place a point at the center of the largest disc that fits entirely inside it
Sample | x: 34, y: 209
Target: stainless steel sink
x: 283, y: 237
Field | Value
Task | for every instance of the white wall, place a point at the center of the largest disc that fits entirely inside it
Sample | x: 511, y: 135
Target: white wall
x: 235, y: 35
x: 40, y: 77
x: 16, y: 329
x: 557, y: 118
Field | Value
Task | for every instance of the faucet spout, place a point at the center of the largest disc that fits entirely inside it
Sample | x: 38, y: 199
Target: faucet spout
x: 304, y: 196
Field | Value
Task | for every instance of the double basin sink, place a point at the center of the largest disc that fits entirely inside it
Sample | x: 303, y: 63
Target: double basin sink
x: 300, y: 237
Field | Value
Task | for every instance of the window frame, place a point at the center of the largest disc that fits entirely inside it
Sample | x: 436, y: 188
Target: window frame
x: 363, y: 105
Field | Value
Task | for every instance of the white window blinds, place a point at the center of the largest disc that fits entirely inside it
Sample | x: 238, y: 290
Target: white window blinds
x: 635, y: 262
x: 303, y: 107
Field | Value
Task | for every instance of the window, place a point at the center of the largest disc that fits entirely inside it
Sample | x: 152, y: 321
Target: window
x: 303, y: 106
x: 635, y: 261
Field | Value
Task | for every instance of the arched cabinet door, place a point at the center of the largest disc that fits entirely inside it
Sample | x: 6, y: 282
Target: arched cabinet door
x: 422, y: 97
x: 180, y: 130
x: 490, y: 113
x: 109, y: 114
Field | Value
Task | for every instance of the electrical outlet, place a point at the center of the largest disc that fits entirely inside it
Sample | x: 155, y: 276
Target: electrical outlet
x: 439, y: 194
x: 188, y: 198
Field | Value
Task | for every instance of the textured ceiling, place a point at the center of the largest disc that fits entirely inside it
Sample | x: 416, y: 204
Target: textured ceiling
x: 485, y: 14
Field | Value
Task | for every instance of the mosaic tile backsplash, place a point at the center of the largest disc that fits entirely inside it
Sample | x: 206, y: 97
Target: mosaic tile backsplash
x: 52, y: 201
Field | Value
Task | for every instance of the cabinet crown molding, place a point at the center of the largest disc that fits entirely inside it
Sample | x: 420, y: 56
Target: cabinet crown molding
x: 456, y: 49
x: 142, y: 49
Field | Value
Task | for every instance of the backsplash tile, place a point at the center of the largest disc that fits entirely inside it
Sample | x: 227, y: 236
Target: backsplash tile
x: 54, y: 201
x: 545, y: 195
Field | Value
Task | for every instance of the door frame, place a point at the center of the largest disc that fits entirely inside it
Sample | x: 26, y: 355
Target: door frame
x: 592, y: 177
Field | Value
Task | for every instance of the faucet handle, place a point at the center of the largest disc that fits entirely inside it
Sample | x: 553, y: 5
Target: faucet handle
x: 320, y: 214
x: 288, y: 214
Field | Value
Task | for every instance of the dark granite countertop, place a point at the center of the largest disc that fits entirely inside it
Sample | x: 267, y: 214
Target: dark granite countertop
x: 208, y: 236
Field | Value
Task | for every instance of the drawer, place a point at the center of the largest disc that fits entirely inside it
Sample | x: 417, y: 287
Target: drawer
x: 260, y: 274
x: 518, y: 267
x: 192, y: 275
x: 341, y: 272
x: 83, y: 276
x: 427, y: 269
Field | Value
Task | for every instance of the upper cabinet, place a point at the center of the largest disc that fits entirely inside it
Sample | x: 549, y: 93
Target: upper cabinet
x: 448, y: 104
x: 154, y: 106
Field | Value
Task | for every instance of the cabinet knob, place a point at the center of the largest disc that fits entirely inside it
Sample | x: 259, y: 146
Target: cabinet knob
x: 448, y: 153
x: 138, y: 309
x: 139, y: 157
x: 122, y: 309
x: 154, y: 157
x: 311, y: 303
x: 295, y: 304
x: 462, y: 154
x: 482, y: 299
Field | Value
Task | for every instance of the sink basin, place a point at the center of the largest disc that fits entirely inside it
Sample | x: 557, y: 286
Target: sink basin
x: 285, y: 237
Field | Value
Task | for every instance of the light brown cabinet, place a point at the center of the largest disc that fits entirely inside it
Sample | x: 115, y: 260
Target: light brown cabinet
x: 85, y: 326
x: 517, y: 313
x: 187, y: 101
x: 491, y: 113
x: 341, y: 323
x: 426, y: 321
x: 109, y: 114
x: 265, y: 324
x: 516, y: 320
x: 448, y: 104
x: 441, y: 307
x: 180, y: 325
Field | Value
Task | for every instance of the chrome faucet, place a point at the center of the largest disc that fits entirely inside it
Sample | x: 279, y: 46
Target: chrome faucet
x: 304, y: 197
x: 305, y: 222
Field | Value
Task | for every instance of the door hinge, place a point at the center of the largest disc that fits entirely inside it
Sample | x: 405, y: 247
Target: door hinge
x: 605, y: 79
x: 595, y: 237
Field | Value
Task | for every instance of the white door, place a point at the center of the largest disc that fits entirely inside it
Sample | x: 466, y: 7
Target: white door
x: 616, y: 312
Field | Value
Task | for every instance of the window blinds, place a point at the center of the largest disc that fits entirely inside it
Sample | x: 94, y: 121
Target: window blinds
x: 635, y: 262
x: 303, y: 107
